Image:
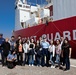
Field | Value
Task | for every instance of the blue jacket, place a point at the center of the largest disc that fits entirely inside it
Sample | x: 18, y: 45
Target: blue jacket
x: 1, y: 42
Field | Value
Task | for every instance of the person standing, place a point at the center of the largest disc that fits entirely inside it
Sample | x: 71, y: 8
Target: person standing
x: 26, y: 49
x: 52, y: 53
x: 38, y: 53
x: 45, y: 47
x: 58, y: 52
x: 6, y: 49
x: 19, y: 49
x: 31, y: 52
x: 61, y: 56
x: 66, y: 54
x: 2, y: 40
x: 40, y: 40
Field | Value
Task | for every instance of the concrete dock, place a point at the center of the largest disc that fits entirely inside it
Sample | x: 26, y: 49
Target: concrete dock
x: 34, y: 70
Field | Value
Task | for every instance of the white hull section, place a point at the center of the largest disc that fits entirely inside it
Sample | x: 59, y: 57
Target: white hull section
x: 64, y: 9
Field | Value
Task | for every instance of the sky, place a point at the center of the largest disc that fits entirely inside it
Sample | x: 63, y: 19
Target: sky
x: 7, y: 16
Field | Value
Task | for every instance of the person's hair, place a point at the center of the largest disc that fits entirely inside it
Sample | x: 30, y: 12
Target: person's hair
x: 19, y: 35
x: 12, y: 51
x: 66, y: 40
x: 37, y: 43
x: 58, y: 40
x: 12, y: 36
x: 52, y: 40
x: 31, y: 40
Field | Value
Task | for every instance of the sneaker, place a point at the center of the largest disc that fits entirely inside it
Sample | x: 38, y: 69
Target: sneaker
x: 52, y: 66
x: 66, y: 70
x: 3, y: 66
x: 39, y: 65
x: 29, y: 65
x: 32, y: 65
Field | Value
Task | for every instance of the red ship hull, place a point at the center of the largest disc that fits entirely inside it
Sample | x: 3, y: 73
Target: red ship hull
x: 53, y: 30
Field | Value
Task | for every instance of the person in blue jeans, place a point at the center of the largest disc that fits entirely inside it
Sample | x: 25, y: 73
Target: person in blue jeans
x: 52, y: 53
x: 31, y: 60
x: 31, y: 52
x: 45, y: 47
x: 58, y: 52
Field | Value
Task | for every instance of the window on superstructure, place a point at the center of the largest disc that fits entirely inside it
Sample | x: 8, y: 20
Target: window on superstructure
x: 20, y: 5
x: 51, y: 10
x: 27, y: 6
x: 31, y: 12
x: 24, y: 6
x: 23, y: 24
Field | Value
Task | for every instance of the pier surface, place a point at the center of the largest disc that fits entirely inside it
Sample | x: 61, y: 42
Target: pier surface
x: 34, y: 70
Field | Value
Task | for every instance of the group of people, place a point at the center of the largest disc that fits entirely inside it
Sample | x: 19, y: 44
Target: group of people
x: 40, y: 53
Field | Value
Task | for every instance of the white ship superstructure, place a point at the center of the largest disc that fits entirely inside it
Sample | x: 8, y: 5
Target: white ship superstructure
x: 28, y: 15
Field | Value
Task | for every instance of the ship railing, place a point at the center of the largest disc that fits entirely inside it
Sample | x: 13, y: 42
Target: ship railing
x: 31, y: 23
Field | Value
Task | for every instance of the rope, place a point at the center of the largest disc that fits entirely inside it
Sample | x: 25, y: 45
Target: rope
x: 38, y: 30
x: 57, y: 28
x: 60, y: 31
x: 73, y: 42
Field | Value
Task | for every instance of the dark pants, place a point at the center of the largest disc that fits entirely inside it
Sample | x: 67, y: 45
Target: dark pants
x: 31, y: 59
x: 25, y: 59
x: 11, y: 64
x: 44, y: 54
x: 1, y: 54
x: 20, y: 58
x: 67, y: 63
x: 38, y: 60
x: 4, y: 59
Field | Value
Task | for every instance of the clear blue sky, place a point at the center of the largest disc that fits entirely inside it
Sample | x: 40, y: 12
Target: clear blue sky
x: 7, y: 16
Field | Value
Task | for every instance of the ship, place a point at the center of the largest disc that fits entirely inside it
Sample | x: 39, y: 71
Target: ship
x: 55, y: 19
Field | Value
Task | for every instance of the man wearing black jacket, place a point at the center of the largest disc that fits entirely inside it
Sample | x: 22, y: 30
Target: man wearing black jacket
x: 5, y: 52
x: 1, y: 42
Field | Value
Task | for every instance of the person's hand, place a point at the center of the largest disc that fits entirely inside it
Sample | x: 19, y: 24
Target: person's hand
x: 62, y: 55
x: 69, y: 56
x: 53, y: 55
